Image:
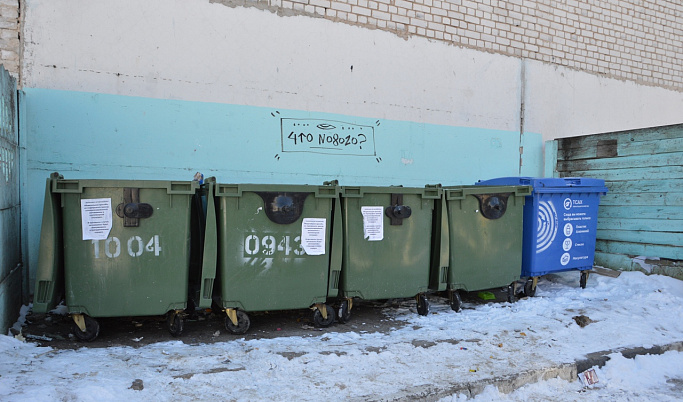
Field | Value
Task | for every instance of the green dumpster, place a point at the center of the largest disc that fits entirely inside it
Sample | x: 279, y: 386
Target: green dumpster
x: 485, y: 231
x: 278, y: 249
x: 121, y: 248
x: 390, y: 246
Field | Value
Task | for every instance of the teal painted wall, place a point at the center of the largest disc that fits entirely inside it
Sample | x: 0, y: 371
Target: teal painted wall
x: 88, y: 135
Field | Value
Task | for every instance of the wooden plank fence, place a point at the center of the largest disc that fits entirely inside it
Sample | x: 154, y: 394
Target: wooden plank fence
x: 640, y: 222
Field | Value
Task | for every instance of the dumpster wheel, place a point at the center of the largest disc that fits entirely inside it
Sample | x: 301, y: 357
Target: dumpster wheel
x: 511, y: 293
x: 241, y: 324
x: 85, y: 328
x: 174, y: 323
x: 422, y: 304
x: 584, y: 279
x: 455, y: 300
x: 530, y: 286
x: 323, y: 320
x: 345, y: 310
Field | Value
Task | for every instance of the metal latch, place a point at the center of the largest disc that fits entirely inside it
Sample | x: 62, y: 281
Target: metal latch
x: 131, y: 209
x: 397, y: 212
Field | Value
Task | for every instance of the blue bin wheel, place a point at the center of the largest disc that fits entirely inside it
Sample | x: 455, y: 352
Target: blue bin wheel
x: 174, y: 323
x: 322, y: 322
x: 92, y: 329
x: 455, y: 300
x: 584, y: 279
x: 422, y: 304
x: 243, y: 323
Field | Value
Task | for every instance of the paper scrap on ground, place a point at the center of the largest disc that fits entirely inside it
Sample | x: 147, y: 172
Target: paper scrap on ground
x: 588, y: 377
x: 373, y: 223
x: 96, y: 218
x: 313, y: 235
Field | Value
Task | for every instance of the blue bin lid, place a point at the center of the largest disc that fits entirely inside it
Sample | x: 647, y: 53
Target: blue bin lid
x: 550, y: 184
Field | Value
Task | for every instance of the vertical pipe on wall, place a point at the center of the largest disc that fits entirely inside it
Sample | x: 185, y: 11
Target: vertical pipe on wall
x: 522, y: 86
x: 23, y: 173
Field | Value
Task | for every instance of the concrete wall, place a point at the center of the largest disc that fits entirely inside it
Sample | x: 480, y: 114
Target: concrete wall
x: 161, y: 89
x: 564, y: 103
x: 87, y: 135
x: 206, y: 51
x: 635, y: 40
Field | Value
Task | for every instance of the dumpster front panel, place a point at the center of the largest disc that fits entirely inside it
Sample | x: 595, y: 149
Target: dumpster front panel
x: 136, y: 270
x: 486, y: 250
x: 382, y: 260
x: 274, y: 261
x: 562, y: 235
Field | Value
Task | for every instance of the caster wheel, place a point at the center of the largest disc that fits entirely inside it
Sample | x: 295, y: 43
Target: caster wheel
x: 92, y: 329
x: 455, y: 301
x: 530, y: 287
x: 174, y: 323
x: 243, y: 323
x: 344, y: 312
x: 322, y: 322
x: 584, y: 279
x: 422, y: 305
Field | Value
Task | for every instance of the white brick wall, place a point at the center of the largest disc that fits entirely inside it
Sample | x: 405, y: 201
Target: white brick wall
x: 9, y: 35
x: 636, y: 40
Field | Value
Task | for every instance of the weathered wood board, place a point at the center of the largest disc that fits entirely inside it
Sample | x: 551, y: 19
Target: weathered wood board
x: 640, y: 221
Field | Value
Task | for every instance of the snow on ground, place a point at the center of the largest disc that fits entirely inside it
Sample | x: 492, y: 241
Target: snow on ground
x: 428, y: 353
x: 645, y: 378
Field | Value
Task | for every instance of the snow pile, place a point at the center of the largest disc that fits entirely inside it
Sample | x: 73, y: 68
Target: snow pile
x: 645, y: 378
x: 425, y: 356
x: 20, y: 322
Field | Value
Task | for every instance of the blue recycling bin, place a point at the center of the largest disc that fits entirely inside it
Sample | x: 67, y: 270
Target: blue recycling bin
x: 560, y: 223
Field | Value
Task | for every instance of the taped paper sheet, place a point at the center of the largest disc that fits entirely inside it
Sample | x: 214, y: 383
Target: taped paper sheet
x: 373, y: 223
x: 313, y: 235
x: 96, y: 218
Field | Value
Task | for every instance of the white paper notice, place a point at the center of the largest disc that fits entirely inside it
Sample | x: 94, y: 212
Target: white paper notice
x: 96, y: 218
x: 373, y: 223
x: 313, y: 235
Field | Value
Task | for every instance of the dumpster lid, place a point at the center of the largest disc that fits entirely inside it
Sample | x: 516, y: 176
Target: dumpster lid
x: 545, y: 184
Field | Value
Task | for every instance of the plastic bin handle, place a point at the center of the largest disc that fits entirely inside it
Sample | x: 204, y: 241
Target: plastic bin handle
x: 574, y: 181
x: 352, y: 192
x: 182, y: 187
x: 67, y: 186
x: 432, y: 191
x: 455, y: 194
x: 523, y: 191
x: 228, y: 190
x: 327, y: 191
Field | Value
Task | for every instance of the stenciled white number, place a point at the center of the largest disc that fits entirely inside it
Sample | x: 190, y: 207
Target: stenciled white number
x: 136, y: 246
x: 107, y: 247
x: 270, y: 246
